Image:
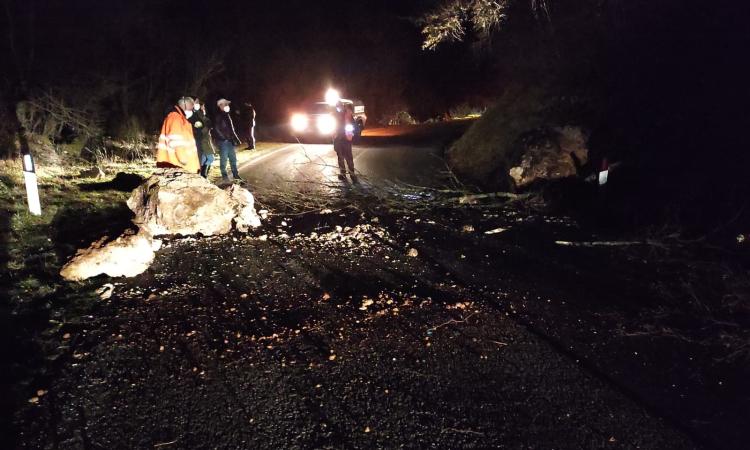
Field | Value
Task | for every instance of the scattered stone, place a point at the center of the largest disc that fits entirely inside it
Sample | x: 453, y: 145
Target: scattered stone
x: 413, y: 252
x: 495, y: 231
x: 468, y: 229
x: 105, y: 292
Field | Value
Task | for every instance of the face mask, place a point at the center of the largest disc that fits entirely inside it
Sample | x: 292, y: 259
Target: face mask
x: 196, y: 106
x: 226, y: 109
x: 188, y: 114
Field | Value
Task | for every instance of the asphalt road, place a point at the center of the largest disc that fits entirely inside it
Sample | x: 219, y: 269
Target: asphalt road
x: 315, y: 167
x: 409, y: 154
x: 364, y: 327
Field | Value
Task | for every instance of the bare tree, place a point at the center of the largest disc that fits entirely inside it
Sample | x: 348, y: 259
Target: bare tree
x: 449, y: 22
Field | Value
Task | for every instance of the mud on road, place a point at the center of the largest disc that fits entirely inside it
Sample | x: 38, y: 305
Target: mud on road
x: 362, y: 329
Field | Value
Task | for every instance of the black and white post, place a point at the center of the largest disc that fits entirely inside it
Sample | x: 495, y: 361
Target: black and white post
x: 32, y: 190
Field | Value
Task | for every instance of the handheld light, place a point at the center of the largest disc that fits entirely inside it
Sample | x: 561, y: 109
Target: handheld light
x: 332, y: 96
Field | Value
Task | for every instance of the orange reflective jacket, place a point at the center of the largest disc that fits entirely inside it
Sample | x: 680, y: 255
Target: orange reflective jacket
x: 177, y: 144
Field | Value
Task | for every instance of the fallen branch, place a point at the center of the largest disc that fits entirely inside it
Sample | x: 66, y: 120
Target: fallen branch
x: 456, y: 430
x: 451, y: 322
x: 611, y: 243
x: 162, y: 444
x: 472, y: 198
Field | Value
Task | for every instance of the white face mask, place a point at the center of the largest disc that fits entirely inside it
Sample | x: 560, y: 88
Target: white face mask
x: 226, y: 108
x: 196, y: 106
x: 188, y: 114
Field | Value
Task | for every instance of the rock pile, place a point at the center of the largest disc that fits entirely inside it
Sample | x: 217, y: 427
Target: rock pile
x: 170, y: 202
x: 550, y: 154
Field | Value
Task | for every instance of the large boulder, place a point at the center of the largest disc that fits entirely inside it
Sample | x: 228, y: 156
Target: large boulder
x: 174, y: 202
x: 550, y: 154
x: 169, y: 202
x: 127, y: 256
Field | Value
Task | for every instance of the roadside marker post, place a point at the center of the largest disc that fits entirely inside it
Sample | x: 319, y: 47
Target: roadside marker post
x: 32, y: 189
x: 604, y: 172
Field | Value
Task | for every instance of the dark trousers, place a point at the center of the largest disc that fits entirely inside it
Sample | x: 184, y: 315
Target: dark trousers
x: 206, y: 161
x: 226, y: 152
x: 343, y: 149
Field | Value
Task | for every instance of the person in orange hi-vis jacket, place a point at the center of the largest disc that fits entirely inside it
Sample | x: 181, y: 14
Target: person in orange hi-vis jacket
x: 176, y: 142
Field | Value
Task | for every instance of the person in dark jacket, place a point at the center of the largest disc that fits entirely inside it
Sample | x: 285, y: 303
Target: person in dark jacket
x: 226, y: 138
x: 201, y: 128
x: 342, y: 141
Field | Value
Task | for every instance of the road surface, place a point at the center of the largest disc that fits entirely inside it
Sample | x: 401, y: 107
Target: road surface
x: 408, y: 154
x: 367, y: 328
x: 314, y: 166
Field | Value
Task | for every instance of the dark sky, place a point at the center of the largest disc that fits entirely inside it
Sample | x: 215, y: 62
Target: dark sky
x: 276, y: 53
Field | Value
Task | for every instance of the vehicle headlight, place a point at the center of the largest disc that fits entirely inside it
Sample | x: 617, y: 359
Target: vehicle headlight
x: 299, y: 122
x: 326, y: 124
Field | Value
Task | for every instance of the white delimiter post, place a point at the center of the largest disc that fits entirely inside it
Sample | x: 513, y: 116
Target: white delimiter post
x: 32, y: 191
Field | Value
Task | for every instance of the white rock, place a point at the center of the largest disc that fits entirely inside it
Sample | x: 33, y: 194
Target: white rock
x: 127, y: 256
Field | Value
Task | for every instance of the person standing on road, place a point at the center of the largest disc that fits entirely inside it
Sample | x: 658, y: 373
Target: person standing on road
x: 226, y: 138
x: 176, y: 146
x: 251, y: 126
x: 342, y: 141
x: 201, y: 129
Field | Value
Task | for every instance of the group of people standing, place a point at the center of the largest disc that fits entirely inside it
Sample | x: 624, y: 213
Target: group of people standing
x: 188, y: 136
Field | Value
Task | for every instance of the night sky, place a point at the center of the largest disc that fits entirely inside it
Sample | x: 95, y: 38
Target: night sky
x: 275, y: 54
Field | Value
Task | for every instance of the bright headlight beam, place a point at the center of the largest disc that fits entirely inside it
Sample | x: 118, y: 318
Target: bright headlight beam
x: 299, y: 122
x: 326, y: 124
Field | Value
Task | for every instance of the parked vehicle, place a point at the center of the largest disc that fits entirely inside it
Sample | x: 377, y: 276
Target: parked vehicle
x: 319, y: 119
